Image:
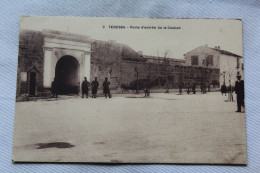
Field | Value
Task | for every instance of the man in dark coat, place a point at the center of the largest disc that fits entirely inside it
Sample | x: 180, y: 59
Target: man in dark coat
x: 180, y: 87
x: 188, y: 88
x: 94, y: 85
x: 54, y: 88
x: 194, y: 88
x: 223, y: 89
x: 147, y: 89
x: 106, y: 84
x: 239, y: 89
x: 84, y: 86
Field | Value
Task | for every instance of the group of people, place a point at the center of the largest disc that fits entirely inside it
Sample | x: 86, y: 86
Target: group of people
x: 191, y: 88
x: 85, y: 88
x: 225, y: 89
x: 239, y: 89
x: 94, y: 85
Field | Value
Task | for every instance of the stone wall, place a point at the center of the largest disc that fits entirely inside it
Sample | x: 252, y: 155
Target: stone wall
x: 106, y: 62
x: 30, y: 57
x: 130, y: 70
x: 198, y: 75
x: 174, y: 75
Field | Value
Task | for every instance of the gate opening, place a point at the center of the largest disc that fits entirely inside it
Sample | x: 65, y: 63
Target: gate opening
x: 67, y: 75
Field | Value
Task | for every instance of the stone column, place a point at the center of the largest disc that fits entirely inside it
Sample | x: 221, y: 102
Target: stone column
x: 87, y: 66
x: 48, y: 71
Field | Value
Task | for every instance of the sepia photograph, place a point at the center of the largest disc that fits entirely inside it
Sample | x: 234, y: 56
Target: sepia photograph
x: 130, y: 90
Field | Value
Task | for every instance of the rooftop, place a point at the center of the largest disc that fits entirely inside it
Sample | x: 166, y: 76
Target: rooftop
x: 226, y: 52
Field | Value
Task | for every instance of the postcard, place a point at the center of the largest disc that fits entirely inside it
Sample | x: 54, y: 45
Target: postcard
x: 130, y: 90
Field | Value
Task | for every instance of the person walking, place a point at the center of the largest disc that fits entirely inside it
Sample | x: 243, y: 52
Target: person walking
x: 84, y: 86
x: 106, y: 89
x: 94, y: 85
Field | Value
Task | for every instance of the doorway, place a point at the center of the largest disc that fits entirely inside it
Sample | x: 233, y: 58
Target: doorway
x: 32, y: 83
x: 67, y: 75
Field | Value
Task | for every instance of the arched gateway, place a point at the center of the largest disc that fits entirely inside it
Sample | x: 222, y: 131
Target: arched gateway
x: 67, y: 75
x: 66, y: 58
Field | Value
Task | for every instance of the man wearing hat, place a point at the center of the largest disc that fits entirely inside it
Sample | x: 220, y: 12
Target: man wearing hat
x: 84, y: 86
x: 239, y: 89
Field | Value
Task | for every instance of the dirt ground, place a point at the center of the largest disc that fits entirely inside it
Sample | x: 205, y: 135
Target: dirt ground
x: 164, y: 128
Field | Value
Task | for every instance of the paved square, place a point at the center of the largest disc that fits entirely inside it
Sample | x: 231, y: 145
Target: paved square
x: 201, y: 128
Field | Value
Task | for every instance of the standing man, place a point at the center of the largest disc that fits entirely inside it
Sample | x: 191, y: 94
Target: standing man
x: 188, y: 88
x: 147, y: 89
x: 84, y: 87
x: 106, y: 84
x: 94, y: 85
x: 239, y: 89
x: 223, y: 89
x: 194, y: 88
x: 54, y: 88
x: 180, y: 88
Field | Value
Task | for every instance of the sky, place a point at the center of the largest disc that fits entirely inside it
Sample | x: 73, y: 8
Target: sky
x: 191, y: 33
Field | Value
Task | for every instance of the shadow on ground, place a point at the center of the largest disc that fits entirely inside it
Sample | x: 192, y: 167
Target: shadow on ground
x: 54, y: 145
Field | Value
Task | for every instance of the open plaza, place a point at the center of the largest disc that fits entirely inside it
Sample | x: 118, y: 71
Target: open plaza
x: 174, y: 126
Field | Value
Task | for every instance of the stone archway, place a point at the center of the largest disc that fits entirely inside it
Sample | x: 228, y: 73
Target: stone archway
x: 67, y: 75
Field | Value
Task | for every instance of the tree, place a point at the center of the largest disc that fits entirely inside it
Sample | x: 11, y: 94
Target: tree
x: 230, y: 93
x: 204, y: 75
x: 137, y: 73
x: 148, y: 82
x: 157, y: 62
x: 165, y: 67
